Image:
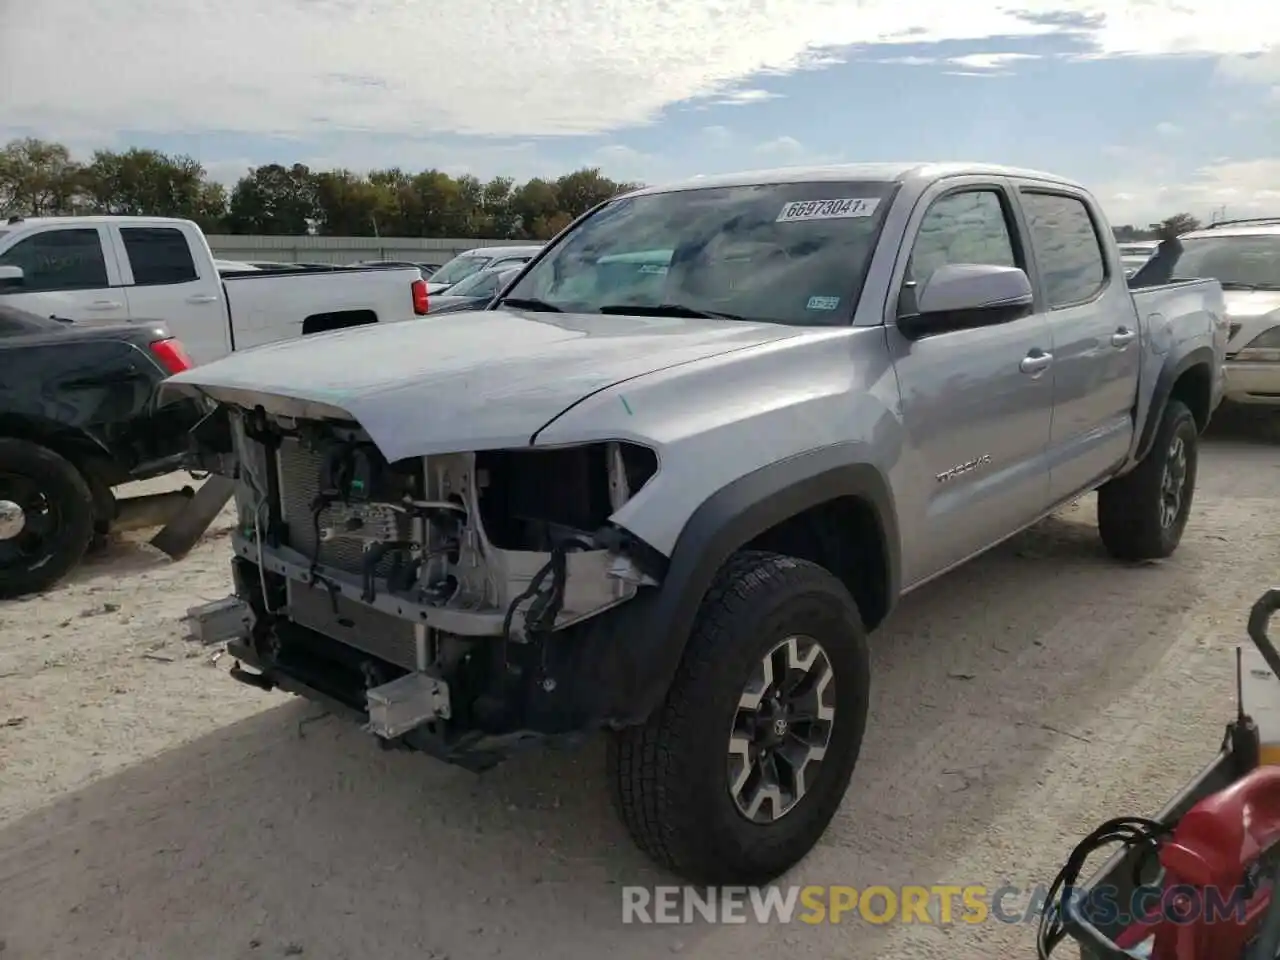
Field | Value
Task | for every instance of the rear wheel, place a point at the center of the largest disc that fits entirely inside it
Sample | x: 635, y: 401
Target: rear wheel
x: 1142, y: 515
x: 46, y: 517
x: 737, y: 775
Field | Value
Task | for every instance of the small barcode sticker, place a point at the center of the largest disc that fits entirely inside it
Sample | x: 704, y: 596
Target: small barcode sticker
x: 842, y: 208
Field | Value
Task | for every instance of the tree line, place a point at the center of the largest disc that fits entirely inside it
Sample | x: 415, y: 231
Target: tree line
x: 41, y: 178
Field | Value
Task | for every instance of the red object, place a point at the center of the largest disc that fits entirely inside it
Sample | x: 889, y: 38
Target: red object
x: 419, y: 290
x: 1205, y: 864
x: 172, y: 355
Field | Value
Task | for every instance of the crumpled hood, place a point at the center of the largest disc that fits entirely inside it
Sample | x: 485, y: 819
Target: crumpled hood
x: 474, y: 380
x: 1256, y: 311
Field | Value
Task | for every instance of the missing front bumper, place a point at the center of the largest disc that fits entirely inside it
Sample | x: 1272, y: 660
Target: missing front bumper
x: 393, y: 709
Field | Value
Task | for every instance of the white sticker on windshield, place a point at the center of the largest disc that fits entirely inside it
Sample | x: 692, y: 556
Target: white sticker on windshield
x: 653, y: 268
x: 823, y: 303
x: 839, y: 209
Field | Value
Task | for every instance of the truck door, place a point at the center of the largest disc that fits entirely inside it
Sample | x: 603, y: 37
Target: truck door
x: 163, y: 282
x: 1096, y: 351
x: 67, y: 272
x: 977, y: 403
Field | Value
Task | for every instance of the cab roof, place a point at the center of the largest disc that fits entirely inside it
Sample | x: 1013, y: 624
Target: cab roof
x: 899, y: 172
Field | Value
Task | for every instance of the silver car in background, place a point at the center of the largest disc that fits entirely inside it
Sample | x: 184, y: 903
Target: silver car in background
x: 1244, y: 257
x: 481, y: 258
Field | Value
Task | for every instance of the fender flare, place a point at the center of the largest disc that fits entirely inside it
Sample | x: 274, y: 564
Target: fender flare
x: 726, y: 520
x: 1168, y: 376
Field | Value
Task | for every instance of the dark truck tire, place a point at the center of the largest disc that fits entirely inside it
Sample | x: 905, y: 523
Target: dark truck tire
x: 673, y: 776
x: 1141, y: 515
x: 52, y: 490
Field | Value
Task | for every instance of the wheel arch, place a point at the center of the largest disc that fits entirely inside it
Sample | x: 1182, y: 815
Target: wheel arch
x: 1188, y: 380
x: 775, y: 507
x: 337, y: 320
x: 79, y: 447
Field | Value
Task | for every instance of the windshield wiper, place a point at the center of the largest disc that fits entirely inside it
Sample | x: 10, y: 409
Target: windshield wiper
x: 668, y: 310
x: 529, y: 303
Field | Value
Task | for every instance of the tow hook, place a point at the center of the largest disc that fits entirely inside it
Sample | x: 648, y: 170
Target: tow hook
x: 252, y: 679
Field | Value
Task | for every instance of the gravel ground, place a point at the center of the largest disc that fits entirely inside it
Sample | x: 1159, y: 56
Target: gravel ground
x: 151, y: 807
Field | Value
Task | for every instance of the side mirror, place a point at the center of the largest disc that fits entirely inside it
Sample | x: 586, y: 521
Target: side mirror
x: 960, y: 296
x: 10, y: 277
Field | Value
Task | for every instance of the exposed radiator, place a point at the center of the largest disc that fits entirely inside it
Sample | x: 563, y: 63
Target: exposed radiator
x: 299, y: 483
x: 380, y: 634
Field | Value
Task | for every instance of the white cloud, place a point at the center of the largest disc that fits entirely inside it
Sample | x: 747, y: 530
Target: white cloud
x: 909, y: 61
x: 989, y: 61
x: 489, y: 67
x: 1167, y: 129
x: 787, y: 151
x: 739, y: 98
x: 619, y: 162
x: 780, y: 148
x: 1252, y: 68
x: 1245, y: 187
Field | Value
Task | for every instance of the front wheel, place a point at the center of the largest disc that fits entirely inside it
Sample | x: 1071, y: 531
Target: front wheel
x: 1142, y: 515
x: 46, y: 517
x: 739, y: 772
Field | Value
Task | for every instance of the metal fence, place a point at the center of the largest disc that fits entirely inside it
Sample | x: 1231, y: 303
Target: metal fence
x: 342, y: 249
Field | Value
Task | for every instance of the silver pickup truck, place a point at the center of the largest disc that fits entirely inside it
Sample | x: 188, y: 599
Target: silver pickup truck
x: 670, y: 479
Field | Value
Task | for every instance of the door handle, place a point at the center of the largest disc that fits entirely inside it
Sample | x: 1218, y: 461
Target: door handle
x: 202, y: 298
x: 1035, y: 364
x: 1123, y: 337
x: 105, y: 305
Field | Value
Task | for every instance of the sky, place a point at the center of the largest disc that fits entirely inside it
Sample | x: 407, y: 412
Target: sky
x: 1158, y: 106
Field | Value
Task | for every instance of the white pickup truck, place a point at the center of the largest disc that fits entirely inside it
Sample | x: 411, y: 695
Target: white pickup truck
x: 120, y: 269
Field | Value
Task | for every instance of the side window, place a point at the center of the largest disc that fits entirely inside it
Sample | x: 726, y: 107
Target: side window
x: 158, y: 255
x: 967, y: 227
x: 68, y: 259
x: 1072, y: 265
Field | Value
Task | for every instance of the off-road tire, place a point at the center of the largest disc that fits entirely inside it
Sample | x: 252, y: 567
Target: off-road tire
x: 670, y: 776
x: 1129, y: 507
x: 68, y: 494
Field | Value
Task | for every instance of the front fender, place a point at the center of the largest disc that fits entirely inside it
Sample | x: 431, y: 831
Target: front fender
x: 646, y: 661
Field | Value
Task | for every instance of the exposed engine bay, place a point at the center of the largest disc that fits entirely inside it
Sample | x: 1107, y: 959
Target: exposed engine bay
x: 430, y: 593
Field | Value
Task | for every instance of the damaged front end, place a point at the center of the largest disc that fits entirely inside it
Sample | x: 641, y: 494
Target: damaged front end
x: 462, y: 603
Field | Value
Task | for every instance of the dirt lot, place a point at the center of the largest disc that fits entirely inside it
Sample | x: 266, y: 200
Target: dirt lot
x: 151, y: 807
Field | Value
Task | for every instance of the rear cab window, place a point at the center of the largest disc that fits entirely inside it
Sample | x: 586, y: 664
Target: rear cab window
x: 64, y: 259
x: 158, y: 255
x: 1068, y: 250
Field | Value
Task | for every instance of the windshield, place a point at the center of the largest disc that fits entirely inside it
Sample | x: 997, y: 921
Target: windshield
x: 483, y: 283
x: 793, y: 253
x: 459, y: 268
x: 1241, y: 261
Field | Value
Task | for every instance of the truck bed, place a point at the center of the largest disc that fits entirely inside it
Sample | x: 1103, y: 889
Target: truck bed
x: 266, y: 306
